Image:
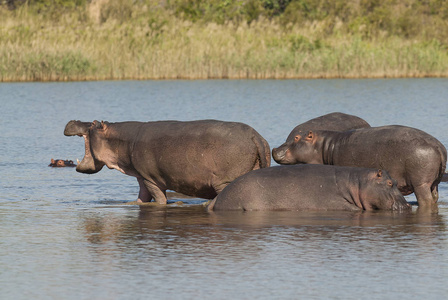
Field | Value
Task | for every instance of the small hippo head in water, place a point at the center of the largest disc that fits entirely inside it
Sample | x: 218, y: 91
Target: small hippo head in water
x: 90, y: 131
x: 60, y: 163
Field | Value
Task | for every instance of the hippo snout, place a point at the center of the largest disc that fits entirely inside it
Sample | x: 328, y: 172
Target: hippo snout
x: 401, y: 205
x: 279, y: 154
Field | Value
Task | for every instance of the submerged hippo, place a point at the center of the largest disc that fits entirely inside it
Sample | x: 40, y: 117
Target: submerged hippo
x: 312, y: 187
x: 197, y: 158
x: 60, y: 163
x: 414, y: 158
x: 334, y: 121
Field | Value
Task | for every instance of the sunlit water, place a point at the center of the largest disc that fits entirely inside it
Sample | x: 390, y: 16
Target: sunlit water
x: 66, y: 235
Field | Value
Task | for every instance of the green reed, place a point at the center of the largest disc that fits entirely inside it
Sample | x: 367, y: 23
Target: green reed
x: 149, y: 42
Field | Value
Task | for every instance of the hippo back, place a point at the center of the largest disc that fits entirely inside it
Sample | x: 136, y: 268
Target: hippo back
x: 336, y: 121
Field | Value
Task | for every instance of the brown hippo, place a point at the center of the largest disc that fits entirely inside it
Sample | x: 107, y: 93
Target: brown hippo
x: 312, y: 187
x: 414, y: 158
x: 197, y: 158
x: 334, y: 121
x: 60, y: 163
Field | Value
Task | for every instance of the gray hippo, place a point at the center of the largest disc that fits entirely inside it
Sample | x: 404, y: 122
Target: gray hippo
x: 333, y: 121
x: 197, y: 158
x: 414, y: 158
x: 312, y: 187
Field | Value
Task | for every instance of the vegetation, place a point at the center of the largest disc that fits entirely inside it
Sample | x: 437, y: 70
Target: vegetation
x: 149, y: 39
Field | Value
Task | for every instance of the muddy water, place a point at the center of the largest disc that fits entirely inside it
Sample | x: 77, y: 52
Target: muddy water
x: 75, y: 236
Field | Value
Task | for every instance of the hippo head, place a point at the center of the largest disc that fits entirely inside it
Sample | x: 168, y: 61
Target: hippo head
x: 61, y: 163
x: 299, y: 148
x: 380, y: 191
x: 90, y: 163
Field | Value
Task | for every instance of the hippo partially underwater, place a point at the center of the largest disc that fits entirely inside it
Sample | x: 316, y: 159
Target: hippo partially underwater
x: 311, y: 187
x: 60, y: 163
x: 197, y: 158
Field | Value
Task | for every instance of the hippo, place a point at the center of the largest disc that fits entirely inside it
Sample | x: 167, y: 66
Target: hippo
x: 196, y: 158
x: 414, y: 158
x: 60, y: 163
x: 312, y: 187
x: 336, y: 121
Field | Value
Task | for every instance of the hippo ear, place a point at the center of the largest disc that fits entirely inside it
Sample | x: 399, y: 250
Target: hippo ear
x: 104, y: 125
x: 310, y: 136
x: 379, y: 174
x: 96, y: 124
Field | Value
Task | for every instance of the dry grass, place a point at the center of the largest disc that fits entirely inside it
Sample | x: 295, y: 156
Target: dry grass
x: 156, y: 45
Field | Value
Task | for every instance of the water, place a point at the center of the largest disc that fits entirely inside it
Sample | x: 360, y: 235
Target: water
x: 73, y: 236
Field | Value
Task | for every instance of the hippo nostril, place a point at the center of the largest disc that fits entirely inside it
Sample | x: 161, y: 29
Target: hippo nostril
x: 277, y: 154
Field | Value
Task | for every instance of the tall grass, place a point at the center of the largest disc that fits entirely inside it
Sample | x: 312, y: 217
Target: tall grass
x: 150, y: 42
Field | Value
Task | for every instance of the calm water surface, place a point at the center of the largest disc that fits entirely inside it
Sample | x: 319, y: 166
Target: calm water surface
x: 66, y: 235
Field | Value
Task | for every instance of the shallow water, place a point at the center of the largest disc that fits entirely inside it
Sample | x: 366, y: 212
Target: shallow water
x: 74, y: 236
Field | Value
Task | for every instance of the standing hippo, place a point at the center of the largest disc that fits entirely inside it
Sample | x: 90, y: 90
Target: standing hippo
x: 312, y: 187
x: 334, y: 121
x: 197, y: 158
x: 414, y: 158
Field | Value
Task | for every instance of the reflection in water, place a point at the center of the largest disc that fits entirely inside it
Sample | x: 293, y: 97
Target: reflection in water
x: 306, y: 246
x: 192, y: 226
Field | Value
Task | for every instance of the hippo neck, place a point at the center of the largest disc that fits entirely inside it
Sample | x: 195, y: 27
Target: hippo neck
x: 350, y: 191
x: 329, y: 144
x: 121, y: 145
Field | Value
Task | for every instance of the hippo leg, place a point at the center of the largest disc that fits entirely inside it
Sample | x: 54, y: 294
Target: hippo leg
x: 156, y: 193
x: 424, y: 194
x: 211, y: 204
x: 435, y: 193
x: 143, y: 195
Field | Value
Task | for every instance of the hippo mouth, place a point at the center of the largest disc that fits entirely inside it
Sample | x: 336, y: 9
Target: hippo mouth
x: 89, y: 164
x: 401, y: 205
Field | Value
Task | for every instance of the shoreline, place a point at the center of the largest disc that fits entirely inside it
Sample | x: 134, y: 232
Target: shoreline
x: 187, y: 78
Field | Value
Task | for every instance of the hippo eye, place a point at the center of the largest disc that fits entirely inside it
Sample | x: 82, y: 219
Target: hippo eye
x: 297, y: 138
x: 390, y: 183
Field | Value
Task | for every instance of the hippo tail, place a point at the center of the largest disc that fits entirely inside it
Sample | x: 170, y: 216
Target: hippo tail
x: 263, y: 151
x: 442, y: 176
x: 443, y: 163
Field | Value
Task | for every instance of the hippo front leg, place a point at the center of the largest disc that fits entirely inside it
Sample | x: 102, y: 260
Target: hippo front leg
x: 143, y: 194
x: 154, y: 191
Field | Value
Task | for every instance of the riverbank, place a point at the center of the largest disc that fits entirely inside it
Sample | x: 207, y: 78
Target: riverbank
x: 156, y: 44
